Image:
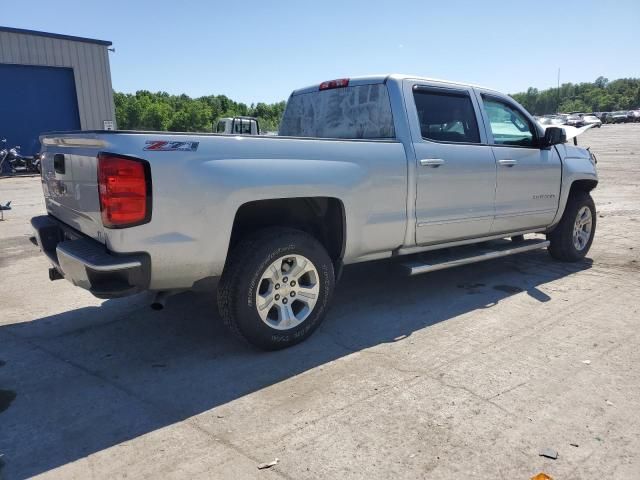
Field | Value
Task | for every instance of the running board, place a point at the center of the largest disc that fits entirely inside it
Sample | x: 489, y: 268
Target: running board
x: 472, y: 255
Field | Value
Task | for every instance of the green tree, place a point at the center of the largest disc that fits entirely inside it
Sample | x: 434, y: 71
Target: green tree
x: 195, y: 116
x: 599, y: 96
x: 601, y: 82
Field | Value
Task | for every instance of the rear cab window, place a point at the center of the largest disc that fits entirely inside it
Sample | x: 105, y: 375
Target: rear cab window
x: 446, y: 116
x: 509, y: 126
x: 353, y: 112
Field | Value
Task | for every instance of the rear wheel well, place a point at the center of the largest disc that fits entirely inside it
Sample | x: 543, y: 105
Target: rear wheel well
x: 322, y: 217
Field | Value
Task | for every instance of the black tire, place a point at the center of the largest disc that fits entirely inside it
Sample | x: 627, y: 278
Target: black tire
x: 241, y: 279
x: 562, y: 245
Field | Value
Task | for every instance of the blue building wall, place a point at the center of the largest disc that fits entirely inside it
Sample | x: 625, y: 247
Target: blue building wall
x: 50, y: 82
x: 35, y: 100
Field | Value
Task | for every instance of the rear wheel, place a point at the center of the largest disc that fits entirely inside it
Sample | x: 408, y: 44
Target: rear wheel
x: 276, y: 288
x: 573, y: 236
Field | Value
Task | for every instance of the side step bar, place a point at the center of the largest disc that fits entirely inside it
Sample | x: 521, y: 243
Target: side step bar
x: 471, y: 255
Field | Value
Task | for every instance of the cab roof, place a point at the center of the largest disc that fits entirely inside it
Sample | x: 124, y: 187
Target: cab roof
x: 373, y: 79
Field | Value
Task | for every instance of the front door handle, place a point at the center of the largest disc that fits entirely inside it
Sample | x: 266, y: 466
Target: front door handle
x: 507, y: 163
x: 431, y: 162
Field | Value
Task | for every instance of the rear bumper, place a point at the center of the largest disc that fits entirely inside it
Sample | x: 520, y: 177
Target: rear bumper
x: 87, y: 263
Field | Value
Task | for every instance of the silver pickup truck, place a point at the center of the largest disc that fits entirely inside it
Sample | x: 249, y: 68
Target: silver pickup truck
x: 363, y: 169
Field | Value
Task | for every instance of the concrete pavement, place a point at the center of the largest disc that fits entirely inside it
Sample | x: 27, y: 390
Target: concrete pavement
x: 463, y: 373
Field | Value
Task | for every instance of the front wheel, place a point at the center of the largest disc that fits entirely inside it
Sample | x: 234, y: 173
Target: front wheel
x: 276, y: 288
x: 573, y: 236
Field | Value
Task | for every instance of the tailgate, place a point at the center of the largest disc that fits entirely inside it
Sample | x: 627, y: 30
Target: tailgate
x: 70, y: 182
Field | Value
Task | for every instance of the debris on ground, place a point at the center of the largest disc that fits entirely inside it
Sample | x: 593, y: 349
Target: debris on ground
x: 262, y: 466
x: 586, y: 362
x: 541, y: 476
x: 548, y: 453
x: 574, y: 445
x: 610, y: 403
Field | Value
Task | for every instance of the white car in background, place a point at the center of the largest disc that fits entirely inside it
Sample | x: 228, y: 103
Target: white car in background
x: 575, y: 120
x: 552, y: 120
x: 591, y: 119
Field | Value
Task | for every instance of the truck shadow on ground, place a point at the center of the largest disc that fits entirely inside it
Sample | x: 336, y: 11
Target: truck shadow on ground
x: 91, y: 378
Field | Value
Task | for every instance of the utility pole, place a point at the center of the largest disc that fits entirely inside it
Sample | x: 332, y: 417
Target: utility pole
x: 558, y: 94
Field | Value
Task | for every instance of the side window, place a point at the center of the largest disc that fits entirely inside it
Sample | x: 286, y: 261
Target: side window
x: 221, y: 127
x: 446, y: 117
x: 508, y: 125
x: 242, y: 126
x: 245, y: 127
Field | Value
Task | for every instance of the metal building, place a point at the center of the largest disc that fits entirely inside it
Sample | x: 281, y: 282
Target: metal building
x: 52, y: 82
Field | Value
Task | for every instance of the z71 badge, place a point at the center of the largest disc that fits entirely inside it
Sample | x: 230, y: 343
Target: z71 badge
x: 166, y: 146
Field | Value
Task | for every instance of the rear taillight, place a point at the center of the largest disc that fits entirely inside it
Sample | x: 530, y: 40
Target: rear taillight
x: 339, y: 83
x: 124, y: 185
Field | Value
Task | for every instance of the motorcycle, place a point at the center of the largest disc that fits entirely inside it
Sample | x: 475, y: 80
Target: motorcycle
x: 12, y: 161
x: 4, y: 151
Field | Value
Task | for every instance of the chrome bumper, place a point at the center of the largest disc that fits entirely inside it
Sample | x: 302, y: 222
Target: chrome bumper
x: 87, y: 263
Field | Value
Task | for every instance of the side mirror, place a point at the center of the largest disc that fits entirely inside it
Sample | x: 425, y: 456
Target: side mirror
x: 553, y: 136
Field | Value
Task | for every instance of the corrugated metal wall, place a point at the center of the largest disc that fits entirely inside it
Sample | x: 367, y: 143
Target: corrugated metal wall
x: 90, y: 63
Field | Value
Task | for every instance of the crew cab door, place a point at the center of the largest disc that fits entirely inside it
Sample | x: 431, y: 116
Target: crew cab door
x: 528, y: 186
x: 456, y: 170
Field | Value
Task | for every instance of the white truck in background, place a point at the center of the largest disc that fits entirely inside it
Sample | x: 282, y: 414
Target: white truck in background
x: 241, y: 125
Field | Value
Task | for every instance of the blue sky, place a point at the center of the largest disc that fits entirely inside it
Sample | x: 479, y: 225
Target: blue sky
x: 259, y: 51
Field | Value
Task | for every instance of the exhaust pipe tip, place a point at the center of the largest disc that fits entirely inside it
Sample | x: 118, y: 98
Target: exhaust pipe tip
x: 160, y: 299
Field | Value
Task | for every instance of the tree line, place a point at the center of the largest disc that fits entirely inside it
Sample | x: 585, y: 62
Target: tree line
x: 599, y: 96
x: 145, y: 110
x: 160, y: 111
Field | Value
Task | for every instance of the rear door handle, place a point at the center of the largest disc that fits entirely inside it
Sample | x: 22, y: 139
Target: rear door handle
x: 507, y: 163
x: 431, y: 162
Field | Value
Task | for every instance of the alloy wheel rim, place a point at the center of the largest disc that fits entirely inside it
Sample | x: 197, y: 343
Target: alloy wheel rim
x: 287, y: 292
x: 582, y: 228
